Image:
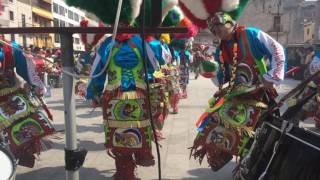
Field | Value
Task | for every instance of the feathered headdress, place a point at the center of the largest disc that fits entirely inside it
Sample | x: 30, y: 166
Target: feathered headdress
x: 90, y: 40
x: 165, y: 37
x: 176, y: 18
x: 106, y: 10
x: 199, y: 11
x: 168, y: 5
x: 182, y: 43
x: 130, y: 13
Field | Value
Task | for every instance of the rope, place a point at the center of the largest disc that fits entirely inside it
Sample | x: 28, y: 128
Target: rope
x: 148, y: 89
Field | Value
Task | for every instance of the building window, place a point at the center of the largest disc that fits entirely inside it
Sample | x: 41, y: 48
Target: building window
x: 56, y: 8
x: 71, y: 25
x: 23, y: 20
x: 61, y: 11
x: 57, y: 38
x: 11, y: 16
x: 46, y: 41
x: 70, y: 14
x: 76, y: 40
x: 76, y: 17
x: 55, y: 22
x: 277, y: 23
x: 12, y: 37
x: 62, y: 24
x: 42, y: 23
x: 35, y: 18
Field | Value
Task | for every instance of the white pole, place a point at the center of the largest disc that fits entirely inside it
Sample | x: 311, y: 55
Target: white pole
x: 69, y: 100
x: 45, y: 79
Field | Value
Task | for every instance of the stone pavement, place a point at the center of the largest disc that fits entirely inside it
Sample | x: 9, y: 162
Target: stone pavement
x: 179, y: 132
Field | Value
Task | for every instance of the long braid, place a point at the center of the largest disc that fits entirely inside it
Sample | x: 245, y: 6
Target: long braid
x: 223, y: 72
x: 235, y: 63
x: 234, y: 69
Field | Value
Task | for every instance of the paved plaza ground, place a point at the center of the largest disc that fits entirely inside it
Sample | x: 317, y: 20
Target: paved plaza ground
x: 179, y: 132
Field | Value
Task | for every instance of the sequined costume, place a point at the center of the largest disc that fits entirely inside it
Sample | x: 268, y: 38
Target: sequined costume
x: 225, y: 128
x: 127, y: 126
x: 124, y: 104
x: 22, y: 122
x: 171, y: 71
x: 159, y: 104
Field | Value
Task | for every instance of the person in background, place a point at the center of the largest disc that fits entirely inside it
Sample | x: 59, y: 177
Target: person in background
x: 310, y: 54
x: 314, y: 65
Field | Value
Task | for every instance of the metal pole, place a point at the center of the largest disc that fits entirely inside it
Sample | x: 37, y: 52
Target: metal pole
x: 144, y: 55
x: 278, y: 14
x: 45, y: 79
x: 69, y: 99
x: 94, y: 30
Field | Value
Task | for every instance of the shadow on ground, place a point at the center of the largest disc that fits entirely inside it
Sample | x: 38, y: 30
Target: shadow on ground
x: 97, y: 128
x: 78, y: 106
x: 91, y: 114
x: 207, y: 174
x: 58, y: 173
x: 61, y: 101
x: 89, y: 145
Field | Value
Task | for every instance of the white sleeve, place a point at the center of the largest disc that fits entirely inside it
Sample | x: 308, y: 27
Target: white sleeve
x: 276, y: 72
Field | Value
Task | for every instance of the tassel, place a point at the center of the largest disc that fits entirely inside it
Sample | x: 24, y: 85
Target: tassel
x: 202, y: 118
x: 129, y: 95
x: 6, y: 91
x: 45, y: 144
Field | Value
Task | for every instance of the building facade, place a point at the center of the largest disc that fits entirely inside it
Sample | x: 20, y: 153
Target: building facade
x: 288, y: 21
x: 17, y: 14
x: 42, y: 13
x: 42, y: 17
x: 66, y: 16
x: 311, y: 21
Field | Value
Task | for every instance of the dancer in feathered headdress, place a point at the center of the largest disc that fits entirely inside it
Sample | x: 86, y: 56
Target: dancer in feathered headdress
x: 123, y: 98
x: 85, y: 60
x: 127, y: 127
x: 199, y: 11
x: 181, y: 57
x: 22, y: 124
x: 235, y: 109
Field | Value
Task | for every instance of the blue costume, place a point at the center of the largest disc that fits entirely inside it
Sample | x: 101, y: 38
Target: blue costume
x: 126, y: 122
